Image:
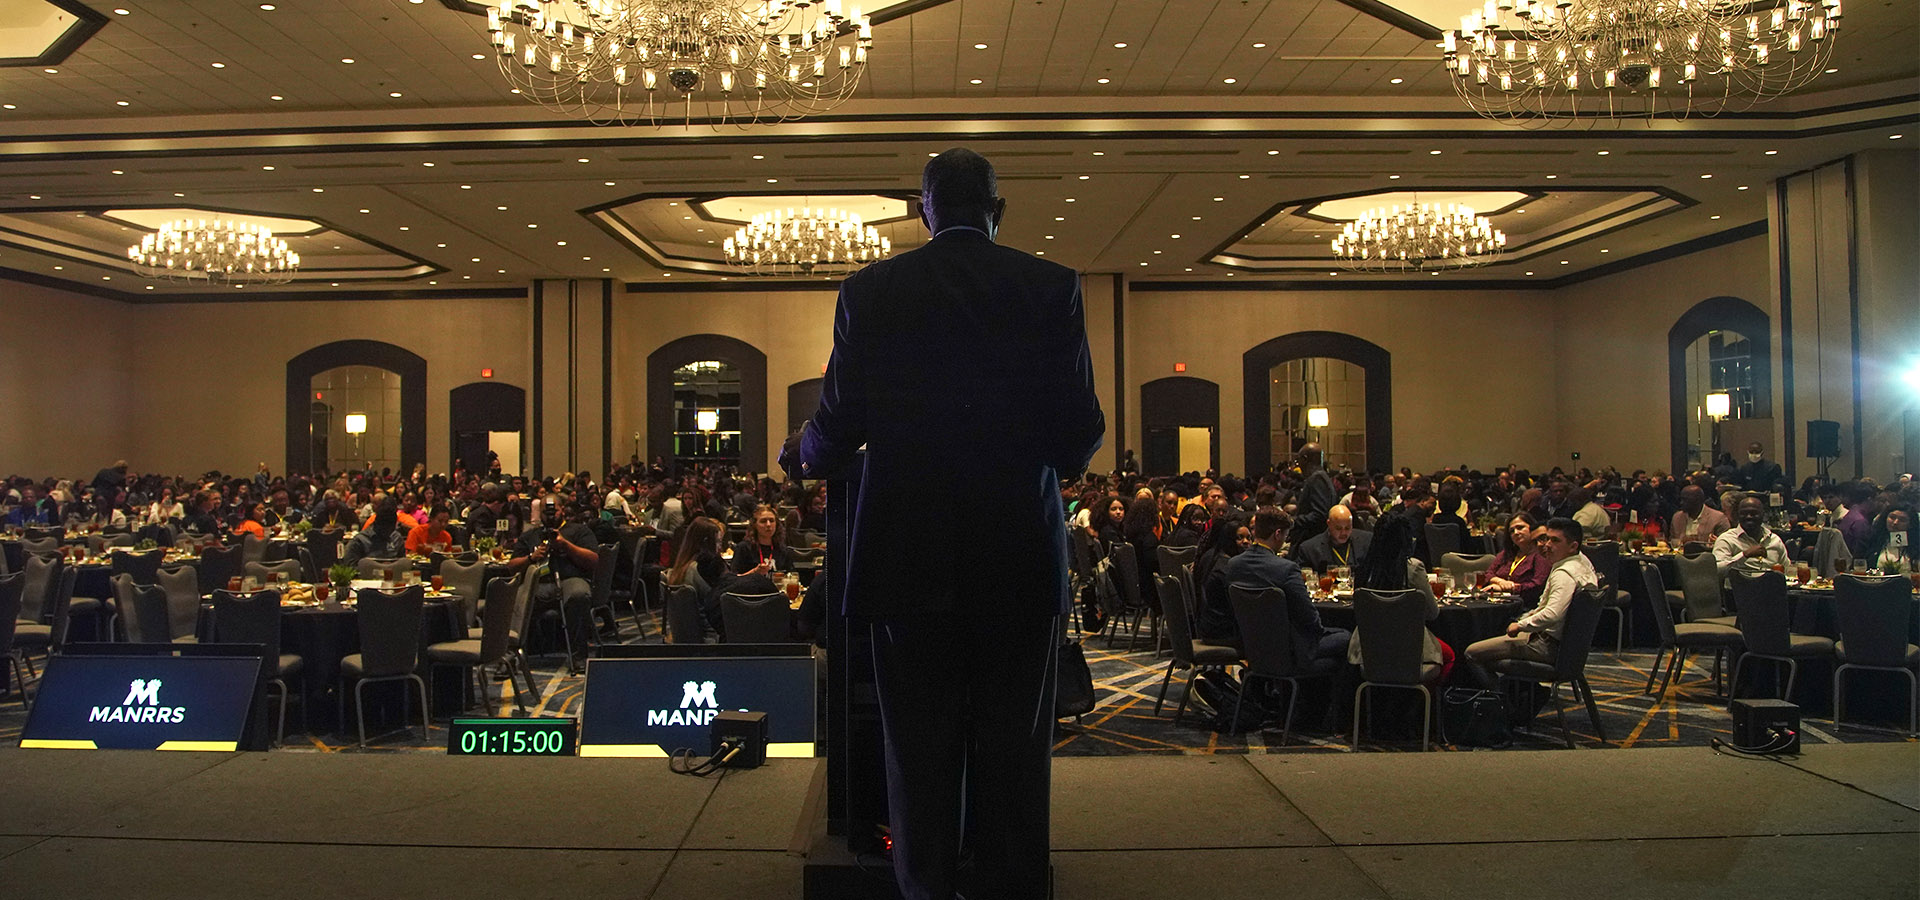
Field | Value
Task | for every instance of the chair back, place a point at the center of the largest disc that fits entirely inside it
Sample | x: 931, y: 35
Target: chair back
x: 42, y: 574
x: 59, y: 606
x: 1876, y: 614
x: 646, y: 550
x: 1391, y: 628
x: 1657, y: 598
x: 1124, y: 569
x: 1442, y: 540
x: 1464, y: 565
x: 522, y: 608
x: 253, y: 549
x: 684, y: 624
x: 376, y: 567
x: 1700, y: 584
x: 1266, y: 635
x: 1172, y: 558
x: 1604, y: 556
x: 264, y: 572
x: 1583, y: 616
x: 1080, y: 552
x: 757, y: 618
x: 1830, y: 553
x: 182, y: 586
x: 468, y: 581
x: 602, y: 584
x: 31, y: 545
x: 160, y: 533
x: 1190, y: 593
x: 122, y: 588
x: 390, y: 630
x: 323, y: 544
x: 250, y: 618
x: 1694, y: 548
x: 1765, y: 619
x: 1173, y: 611
x: 122, y: 539
x: 144, y: 567
x: 496, y: 623
x: 310, y: 573
x: 11, y: 589
x: 146, y: 616
x: 96, y: 544
x: 217, y: 566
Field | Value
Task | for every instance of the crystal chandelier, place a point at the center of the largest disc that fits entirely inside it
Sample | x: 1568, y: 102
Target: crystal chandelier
x: 1531, y: 61
x: 1418, y: 236
x: 223, y: 250
x: 804, y: 242
x: 628, y: 61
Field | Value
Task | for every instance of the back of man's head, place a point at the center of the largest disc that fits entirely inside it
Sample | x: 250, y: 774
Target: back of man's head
x: 1269, y: 521
x: 959, y: 186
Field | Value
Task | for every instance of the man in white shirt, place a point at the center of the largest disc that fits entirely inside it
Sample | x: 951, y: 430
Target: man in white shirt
x: 1753, y: 547
x: 1536, y: 636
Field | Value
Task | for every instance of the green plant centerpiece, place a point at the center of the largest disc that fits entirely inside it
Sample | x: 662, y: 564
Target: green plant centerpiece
x: 146, y: 544
x: 300, y: 528
x: 484, y: 545
x: 341, y: 574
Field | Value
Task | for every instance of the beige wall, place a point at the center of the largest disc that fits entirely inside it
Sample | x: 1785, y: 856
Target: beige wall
x: 65, y: 382
x: 1609, y: 351
x: 1889, y: 287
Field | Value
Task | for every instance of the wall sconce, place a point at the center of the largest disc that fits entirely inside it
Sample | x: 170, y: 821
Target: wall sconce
x: 707, y: 419
x: 1317, y: 417
x: 356, y: 423
x: 1719, y: 405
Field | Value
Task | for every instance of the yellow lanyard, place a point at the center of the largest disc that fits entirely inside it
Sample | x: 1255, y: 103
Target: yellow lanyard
x: 1338, y: 557
x: 1514, y: 566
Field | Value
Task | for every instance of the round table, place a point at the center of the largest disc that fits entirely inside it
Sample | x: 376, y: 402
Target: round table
x: 1460, y: 623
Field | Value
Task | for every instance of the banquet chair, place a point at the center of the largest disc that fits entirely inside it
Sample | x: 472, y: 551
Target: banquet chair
x: 323, y: 544
x: 218, y: 566
x: 685, y: 625
x: 602, y: 584
x: 1172, y: 558
x: 51, y: 637
x: 1464, y: 565
x: 522, y: 595
x: 1876, y: 615
x: 1190, y: 593
x: 1766, y: 630
x: 37, y: 534
x: 1266, y: 641
x: 1124, y: 568
x: 1187, y: 653
x: 493, y: 647
x: 253, y: 549
x: 146, y: 615
x: 254, y: 618
x: 389, y: 651
x: 467, y: 580
x: 1685, y: 638
x: 384, y: 569
x: 144, y: 567
x: 160, y: 534
x: 1570, y: 662
x: 121, y: 540
x: 11, y: 589
x: 644, y: 589
x: 1699, y: 591
x: 1830, y: 553
x: 263, y: 572
x: 1442, y: 540
x: 308, y: 572
x: 96, y: 544
x: 32, y: 546
x: 122, y: 588
x: 1391, y: 628
x: 1605, y: 558
x: 182, y: 586
x: 1695, y: 548
x: 756, y: 618
x: 40, y: 574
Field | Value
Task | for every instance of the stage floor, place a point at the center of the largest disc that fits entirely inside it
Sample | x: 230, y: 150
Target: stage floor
x: 1838, y: 821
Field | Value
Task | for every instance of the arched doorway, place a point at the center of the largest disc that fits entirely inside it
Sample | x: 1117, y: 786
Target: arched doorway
x: 749, y: 365
x: 1722, y: 345
x: 482, y: 416
x: 1367, y: 394
x: 1173, y: 411
x: 410, y: 394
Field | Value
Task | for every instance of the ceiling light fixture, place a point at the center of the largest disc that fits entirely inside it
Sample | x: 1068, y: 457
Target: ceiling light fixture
x: 803, y: 241
x: 1533, y: 62
x: 223, y: 250
x: 1418, y: 236
x: 720, y: 60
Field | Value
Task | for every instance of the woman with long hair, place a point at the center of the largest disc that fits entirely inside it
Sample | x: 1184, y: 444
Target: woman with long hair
x: 1190, y: 526
x: 1107, y: 526
x: 1519, y: 568
x: 1390, y: 565
x: 1226, y: 537
x: 1890, y: 548
x: 765, y: 546
x: 1137, y: 530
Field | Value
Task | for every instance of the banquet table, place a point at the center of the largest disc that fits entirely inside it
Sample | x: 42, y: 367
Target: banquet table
x: 1462, y: 620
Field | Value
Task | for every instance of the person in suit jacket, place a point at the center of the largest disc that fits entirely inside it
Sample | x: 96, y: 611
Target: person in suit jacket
x: 967, y: 360
x: 1262, y: 566
x: 1340, y: 545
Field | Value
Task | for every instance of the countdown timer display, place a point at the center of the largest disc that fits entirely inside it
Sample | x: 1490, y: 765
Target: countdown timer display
x: 513, y: 737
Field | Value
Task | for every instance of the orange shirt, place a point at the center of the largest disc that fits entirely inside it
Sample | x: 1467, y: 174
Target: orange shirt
x: 423, y: 536
x: 406, y: 521
x: 249, y: 526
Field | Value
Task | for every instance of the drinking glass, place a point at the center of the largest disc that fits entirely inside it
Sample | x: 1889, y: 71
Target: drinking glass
x: 1326, y: 582
x: 438, y: 583
x: 1803, y: 574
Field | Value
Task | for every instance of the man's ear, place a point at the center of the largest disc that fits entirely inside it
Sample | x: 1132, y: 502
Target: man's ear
x: 999, y: 211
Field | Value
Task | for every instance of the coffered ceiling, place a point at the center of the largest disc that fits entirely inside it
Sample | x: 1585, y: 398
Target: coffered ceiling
x: 1221, y: 121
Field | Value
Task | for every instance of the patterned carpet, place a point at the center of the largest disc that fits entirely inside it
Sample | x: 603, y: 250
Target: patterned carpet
x: 1127, y: 683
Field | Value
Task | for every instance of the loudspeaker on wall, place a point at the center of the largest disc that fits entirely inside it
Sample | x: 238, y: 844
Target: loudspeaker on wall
x: 1823, y: 439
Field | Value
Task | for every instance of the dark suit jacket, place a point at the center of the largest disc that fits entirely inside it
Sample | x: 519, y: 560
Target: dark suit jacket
x: 963, y: 368
x: 1316, y: 552
x: 1257, y: 566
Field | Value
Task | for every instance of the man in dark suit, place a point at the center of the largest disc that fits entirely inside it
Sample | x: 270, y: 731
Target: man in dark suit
x: 1759, y: 474
x: 963, y: 368
x: 1340, y: 545
x: 1261, y: 566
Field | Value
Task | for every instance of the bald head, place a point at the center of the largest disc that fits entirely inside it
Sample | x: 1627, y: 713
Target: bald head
x: 1339, y: 525
x: 1310, y: 454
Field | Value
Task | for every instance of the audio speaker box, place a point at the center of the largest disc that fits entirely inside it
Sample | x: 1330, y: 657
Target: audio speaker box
x: 1754, y: 722
x: 1823, y: 439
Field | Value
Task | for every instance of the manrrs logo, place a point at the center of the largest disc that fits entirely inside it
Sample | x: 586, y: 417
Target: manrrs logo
x: 142, y: 705
x: 697, y: 707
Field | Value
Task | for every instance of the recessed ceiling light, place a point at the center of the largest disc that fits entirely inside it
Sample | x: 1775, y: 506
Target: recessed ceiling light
x: 586, y: 258
x: 37, y: 196
x: 1521, y: 209
x: 366, y: 210
x: 121, y: 103
x: 1773, y: 153
x: 118, y: 172
x: 405, y: 228
x: 1706, y: 176
x: 427, y: 164
x: 532, y: 225
x: 433, y: 282
x: 607, y: 183
x: 475, y: 259
x: 1891, y: 137
x: 347, y: 59
x: 319, y: 190
x: 1529, y: 273
x: 1174, y: 236
x: 1243, y: 177
x: 1831, y: 71
x: 1229, y: 80
x: 466, y: 187
x: 1143, y: 264
x: 979, y: 46
x: 973, y: 81
x: 440, y: 245
x: 479, y: 56
x: 1259, y: 46
x: 773, y: 181
x: 1433, y: 153
x: 1099, y: 152
x: 1741, y: 188
x: 1196, y: 218
x: 514, y: 91
x: 149, y: 287
x: 559, y: 243
x: 467, y: 277
x: 276, y: 97
x: 1119, y: 45
x: 1085, y: 177
x: 1156, y: 253
x: 110, y: 278
x: 501, y: 271
x: 1713, y: 217
x: 1102, y: 80
x: 123, y: 12
x: 1069, y: 199
x: 1393, y: 178
x: 1564, y: 262
x: 606, y: 270
x: 9, y: 106
x: 1036, y: 253
x: 1550, y: 177
x: 266, y: 168
x: 1049, y: 237
x: 1218, y: 199
x: 1604, y: 250
x: 1395, y: 80
x: 393, y: 93
x: 1189, y: 268
x: 267, y: 6
x: 583, y: 160
x: 51, y: 71
x: 1602, y: 152
x: 501, y: 208
x: 58, y: 268
x: 219, y: 65
x: 1059, y: 218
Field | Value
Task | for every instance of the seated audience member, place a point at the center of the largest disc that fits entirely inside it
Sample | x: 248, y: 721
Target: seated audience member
x: 280, y: 511
x: 1592, y: 517
x: 1695, y: 520
x: 1535, y: 636
x: 1856, y: 525
x: 332, y: 513
x: 765, y: 546
x: 1753, y: 547
x: 1228, y: 537
x: 1890, y: 548
x: 1450, y: 506
x: 1192, y: 524
x: 383, y: 537
x: 1261, y: 566
x: 250, y: 521
x: 201, y: 519
x: 407, y: 521
x: 164, y: 510
x: 1140, y: 531
x: 1362, y: 506
x: 1391, y: 566
x: 1108, y: 527
x: 1340, y: 545
x: 1519, y: 568
x: 431, y: 534
x: 1759, y: 474
x: 697, y: 562
x: 565, y: 544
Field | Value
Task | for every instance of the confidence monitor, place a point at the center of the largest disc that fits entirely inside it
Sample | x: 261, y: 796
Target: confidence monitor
x: 653, y: 699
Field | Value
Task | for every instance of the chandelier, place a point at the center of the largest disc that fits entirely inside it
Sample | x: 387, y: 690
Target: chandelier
x: 786, y: 242
x: 223, y: 250
x: 1531, y: 61
x: 628, y: 61
x: 1418, y: 236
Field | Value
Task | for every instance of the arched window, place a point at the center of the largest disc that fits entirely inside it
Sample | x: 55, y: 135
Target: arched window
x: 395, y: 433
x: 732, y: 376
x: 1289, y: 378
x: 1719, y: 368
